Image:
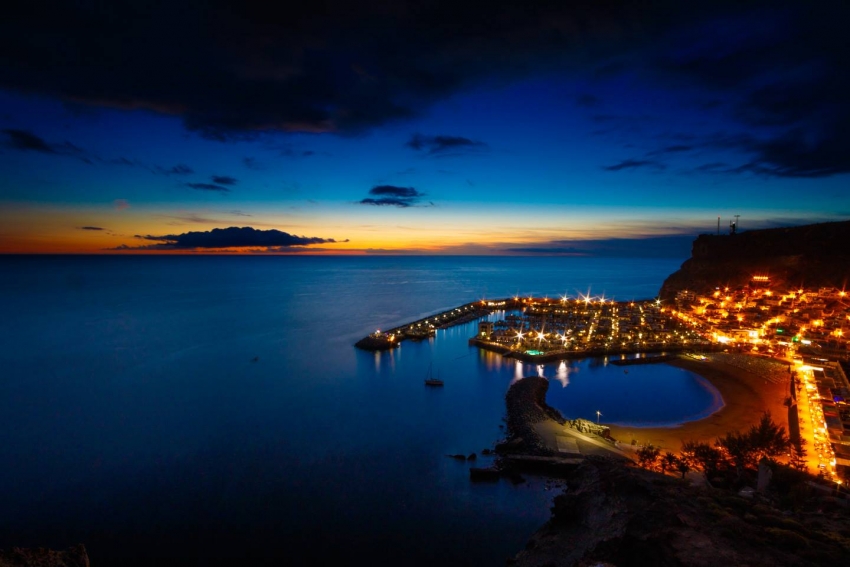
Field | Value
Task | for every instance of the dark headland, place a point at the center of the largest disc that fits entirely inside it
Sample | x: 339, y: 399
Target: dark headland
x: 811, y: 256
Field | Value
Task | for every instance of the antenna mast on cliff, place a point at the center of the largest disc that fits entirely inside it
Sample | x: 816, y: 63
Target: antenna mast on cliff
x: 718, y: 225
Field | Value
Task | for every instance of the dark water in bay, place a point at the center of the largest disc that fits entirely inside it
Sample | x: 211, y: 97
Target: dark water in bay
x: 134, y: 419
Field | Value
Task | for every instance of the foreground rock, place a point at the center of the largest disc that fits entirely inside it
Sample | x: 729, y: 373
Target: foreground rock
x: 615, y: 514
x: 18, y: 557
x: 526, y: 405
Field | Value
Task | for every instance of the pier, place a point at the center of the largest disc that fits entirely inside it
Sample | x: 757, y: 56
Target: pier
x: 427, y: 327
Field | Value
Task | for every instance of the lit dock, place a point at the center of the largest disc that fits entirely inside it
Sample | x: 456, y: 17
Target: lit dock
x: 427, y: 327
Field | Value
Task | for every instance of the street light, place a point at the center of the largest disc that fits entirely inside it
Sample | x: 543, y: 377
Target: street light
x: 598, y: 413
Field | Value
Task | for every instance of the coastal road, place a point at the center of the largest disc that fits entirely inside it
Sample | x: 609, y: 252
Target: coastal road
x: 812, y: 426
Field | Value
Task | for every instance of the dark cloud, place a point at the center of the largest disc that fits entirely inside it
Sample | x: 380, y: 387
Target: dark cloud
x: 712, y: 166
x: 797, y: 154
x: 668, y: 150
x: 27, y: 141
x: 207, y: 187
x: 24, y: 140
x: 294, y: 153
x: 224, y: 180
x: 620, y: 118
x: 393, y: 196
x: 445, y: 145
x: 191, y: 218
x: 386, y: 202
x: 392, y: 190
x: 240, y: 214
x: 91, y: 228
x: 241, y: 67
x: 233, y: 237
x: 179, y: 169
x: 634, y: 164
x: 676, y: 148
x: 252, y: 163
x: 588, y: 100
x: 780, y: 69
x: 668, y: 246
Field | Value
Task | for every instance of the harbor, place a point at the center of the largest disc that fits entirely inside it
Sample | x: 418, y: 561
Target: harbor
x: 541, y: 329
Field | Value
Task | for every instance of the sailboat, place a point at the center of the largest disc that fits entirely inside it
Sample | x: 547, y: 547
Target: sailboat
x: 430, y: 380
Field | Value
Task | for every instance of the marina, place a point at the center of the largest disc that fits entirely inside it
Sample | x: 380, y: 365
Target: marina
x: 541, y: 330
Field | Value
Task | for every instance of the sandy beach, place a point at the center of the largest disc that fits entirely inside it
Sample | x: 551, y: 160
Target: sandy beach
x: 749, y: 386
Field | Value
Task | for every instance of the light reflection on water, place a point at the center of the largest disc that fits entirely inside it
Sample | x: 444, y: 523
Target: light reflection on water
x: 563, y: 373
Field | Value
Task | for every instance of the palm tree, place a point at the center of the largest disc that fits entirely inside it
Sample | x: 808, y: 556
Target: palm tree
x: 798, y: 455
x: 704, y: 456
x: 763, y: 440
x: 767, y: 438
x: 668, y: 461
x: 740, y: 449
x: 682, y: 466
x: 648, y: 455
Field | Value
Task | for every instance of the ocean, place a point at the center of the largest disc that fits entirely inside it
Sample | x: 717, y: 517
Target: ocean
x: 196, y: 410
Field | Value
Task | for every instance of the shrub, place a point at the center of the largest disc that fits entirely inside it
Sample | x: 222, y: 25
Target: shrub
x: 787, y: 539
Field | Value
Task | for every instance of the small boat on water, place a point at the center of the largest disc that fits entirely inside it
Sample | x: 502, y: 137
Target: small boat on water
x: 430, y: 380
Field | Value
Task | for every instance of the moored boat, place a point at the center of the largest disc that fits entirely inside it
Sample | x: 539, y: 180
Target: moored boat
x: 430, y: 380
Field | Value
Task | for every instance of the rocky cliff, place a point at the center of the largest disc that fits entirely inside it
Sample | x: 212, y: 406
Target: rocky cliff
x: 812, y: 256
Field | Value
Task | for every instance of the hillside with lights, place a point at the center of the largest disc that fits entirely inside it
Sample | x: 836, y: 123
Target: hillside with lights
x: 810, y: 256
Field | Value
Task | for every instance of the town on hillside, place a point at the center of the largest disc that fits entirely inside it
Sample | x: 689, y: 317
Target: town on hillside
x: 808, y: 327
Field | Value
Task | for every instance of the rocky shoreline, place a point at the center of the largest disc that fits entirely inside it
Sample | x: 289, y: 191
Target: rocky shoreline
x: 75, y: 556
x: 526, y: 406
x: 613, y: 513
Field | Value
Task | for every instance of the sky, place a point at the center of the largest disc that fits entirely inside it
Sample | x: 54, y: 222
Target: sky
x: 566, y: 128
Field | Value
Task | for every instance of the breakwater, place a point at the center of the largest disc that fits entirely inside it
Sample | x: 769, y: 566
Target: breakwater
x: 526, y: 406
x: 426, y: 327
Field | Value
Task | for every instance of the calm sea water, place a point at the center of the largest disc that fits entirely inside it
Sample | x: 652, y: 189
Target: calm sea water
x: 134, y: 417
